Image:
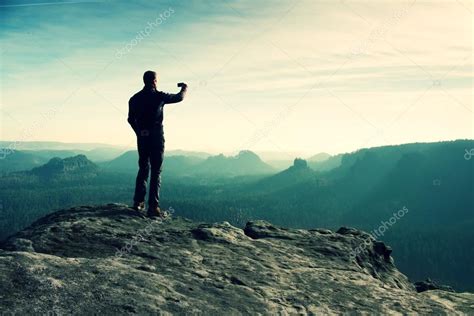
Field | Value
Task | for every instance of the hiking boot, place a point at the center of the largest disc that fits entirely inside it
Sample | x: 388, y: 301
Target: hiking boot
x: 139, y: 206
x: 155, y: 212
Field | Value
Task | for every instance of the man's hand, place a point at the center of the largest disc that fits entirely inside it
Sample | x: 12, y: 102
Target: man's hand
x: 182, y: 85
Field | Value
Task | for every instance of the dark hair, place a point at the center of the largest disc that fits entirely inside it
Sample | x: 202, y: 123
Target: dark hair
x: 149, y: 76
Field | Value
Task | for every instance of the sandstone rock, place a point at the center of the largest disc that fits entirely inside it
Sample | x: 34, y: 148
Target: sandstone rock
x: 109, y: 260
x: 428, y: 285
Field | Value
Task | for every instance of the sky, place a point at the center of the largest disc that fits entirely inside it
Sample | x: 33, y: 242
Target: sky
x: 299, y: 76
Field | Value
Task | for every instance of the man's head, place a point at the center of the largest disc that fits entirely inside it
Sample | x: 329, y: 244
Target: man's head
x: 149, y: 79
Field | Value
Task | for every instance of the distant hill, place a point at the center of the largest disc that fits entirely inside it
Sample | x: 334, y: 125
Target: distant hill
x: 320, y: 164
x: 401, y: 173
x: 435, y: 179
x: 318, y: 157
x: 127, y: 161
x: 180, y: 165
x: 244, y: 163
x: 298, y: 173
x: 20, y: 160
x: 56, y: 169
x: 174, y: 165
x: 71, y: 168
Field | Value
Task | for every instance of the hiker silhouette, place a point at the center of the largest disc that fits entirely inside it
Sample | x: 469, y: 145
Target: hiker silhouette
x: 145, y: 116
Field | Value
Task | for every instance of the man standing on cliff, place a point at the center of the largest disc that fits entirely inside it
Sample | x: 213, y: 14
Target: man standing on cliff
x: 145, y: 115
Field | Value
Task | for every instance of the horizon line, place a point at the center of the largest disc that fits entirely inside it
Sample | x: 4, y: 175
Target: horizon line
x: 218, y: 152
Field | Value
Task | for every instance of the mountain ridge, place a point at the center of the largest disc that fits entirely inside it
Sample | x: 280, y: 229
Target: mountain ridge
x: 72, y: 164
x: 244, y: 163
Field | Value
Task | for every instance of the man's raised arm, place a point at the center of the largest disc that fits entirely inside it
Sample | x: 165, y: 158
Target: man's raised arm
x: 178, y: 97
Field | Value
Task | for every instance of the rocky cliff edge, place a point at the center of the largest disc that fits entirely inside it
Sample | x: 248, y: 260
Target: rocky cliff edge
x: 109, y: 259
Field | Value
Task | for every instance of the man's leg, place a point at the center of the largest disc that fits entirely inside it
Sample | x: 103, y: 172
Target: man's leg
x: 156, y: 160
x: 143, y: 145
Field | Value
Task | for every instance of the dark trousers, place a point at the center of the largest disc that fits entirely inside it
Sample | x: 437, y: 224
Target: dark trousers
x: 151, y: 146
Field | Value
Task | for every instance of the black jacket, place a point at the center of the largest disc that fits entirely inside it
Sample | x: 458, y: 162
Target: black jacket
x: 145, y: 108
